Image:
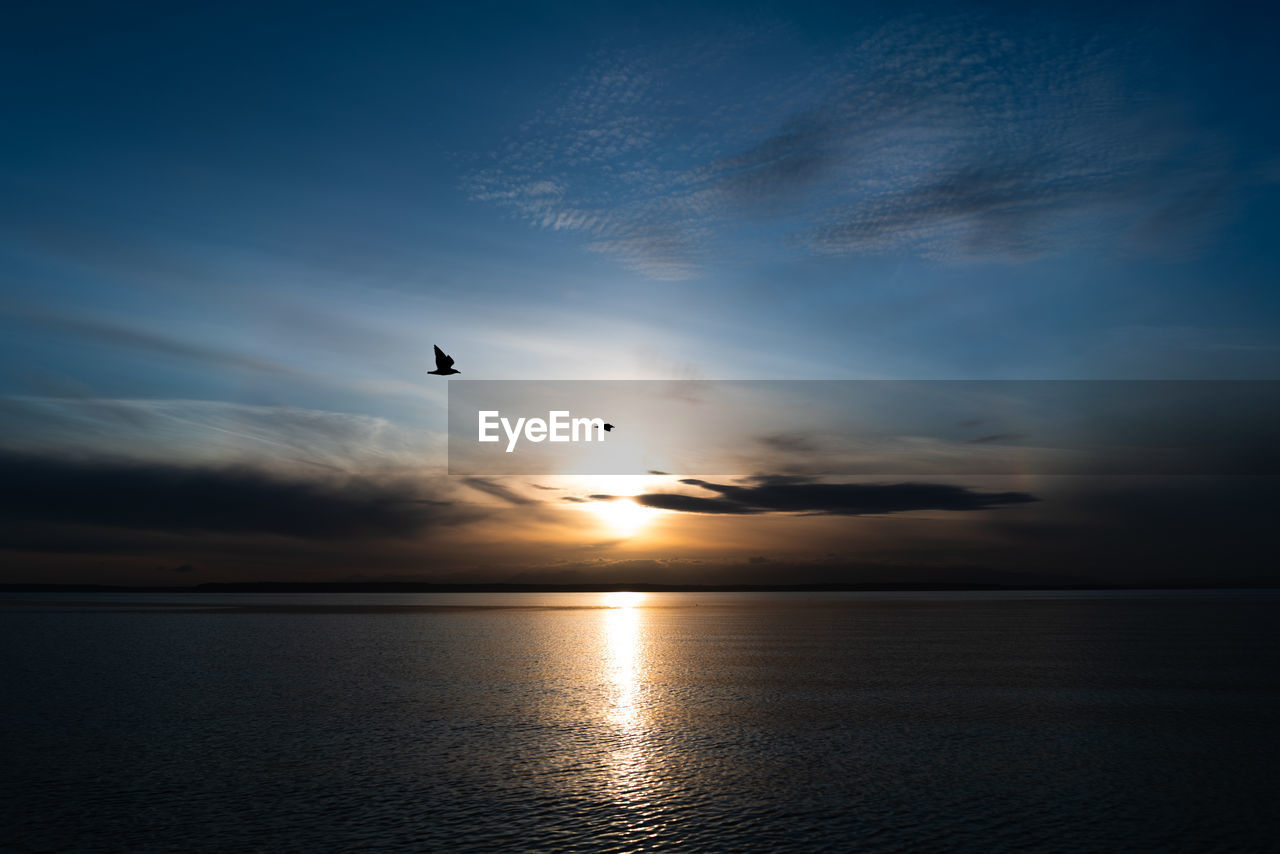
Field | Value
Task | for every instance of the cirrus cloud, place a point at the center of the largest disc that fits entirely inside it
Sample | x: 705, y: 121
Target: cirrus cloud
x: 950, y: 139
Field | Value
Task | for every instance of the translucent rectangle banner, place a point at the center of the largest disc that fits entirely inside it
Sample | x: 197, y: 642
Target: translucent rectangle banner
x: 863, y: 427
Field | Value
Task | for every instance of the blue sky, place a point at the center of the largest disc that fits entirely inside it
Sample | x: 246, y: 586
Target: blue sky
x: 232, y: 233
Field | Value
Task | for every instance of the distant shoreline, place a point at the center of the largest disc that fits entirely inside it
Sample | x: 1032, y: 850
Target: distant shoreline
x: 424, y: 587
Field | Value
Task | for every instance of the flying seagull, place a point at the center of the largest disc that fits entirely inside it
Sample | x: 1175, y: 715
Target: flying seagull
x: 444, y: 364
x: 608, y: 427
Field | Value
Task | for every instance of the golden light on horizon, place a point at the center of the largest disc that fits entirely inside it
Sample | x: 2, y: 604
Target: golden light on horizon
x: 623, y: 599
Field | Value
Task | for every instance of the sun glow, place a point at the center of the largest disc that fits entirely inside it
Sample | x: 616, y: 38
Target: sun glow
x: 620, y: 514
x: 623, y: 599
x: 623, y: 516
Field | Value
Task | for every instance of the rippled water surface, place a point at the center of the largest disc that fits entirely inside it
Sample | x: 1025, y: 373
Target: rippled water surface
x: 878, y: 722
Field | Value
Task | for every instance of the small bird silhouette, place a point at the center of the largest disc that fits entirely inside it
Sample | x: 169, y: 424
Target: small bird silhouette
x: 444, y: 364
x: 608, y: 427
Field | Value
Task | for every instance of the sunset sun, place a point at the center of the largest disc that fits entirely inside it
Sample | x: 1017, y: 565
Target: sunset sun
x: 620, y: 514
x: 623, y: 516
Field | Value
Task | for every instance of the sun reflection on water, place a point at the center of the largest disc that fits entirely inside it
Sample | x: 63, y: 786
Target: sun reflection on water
x: 623, y: 658
x: 624, y: 668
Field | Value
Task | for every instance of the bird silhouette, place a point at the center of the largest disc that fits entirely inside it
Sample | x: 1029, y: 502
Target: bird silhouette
x: 608, y: 427
x: 444, y: 364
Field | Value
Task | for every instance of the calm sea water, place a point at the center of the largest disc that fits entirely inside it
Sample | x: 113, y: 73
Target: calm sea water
x: 877, y: 722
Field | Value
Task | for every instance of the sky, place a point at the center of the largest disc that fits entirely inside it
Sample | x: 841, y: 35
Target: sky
x: 230, y: 235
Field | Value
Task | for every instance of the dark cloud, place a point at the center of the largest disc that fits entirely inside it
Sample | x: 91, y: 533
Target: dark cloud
x: 497, y: 490
x: 780, y: 494
x: 233, y: 500
x: 791, y: 443
x: 693, y: 504
x: 780, y: 479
